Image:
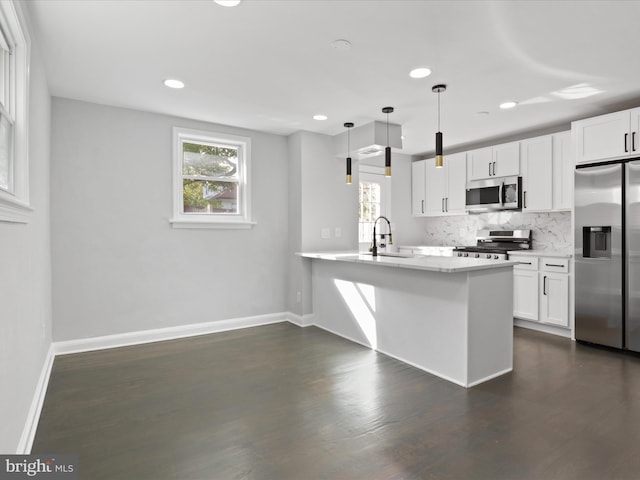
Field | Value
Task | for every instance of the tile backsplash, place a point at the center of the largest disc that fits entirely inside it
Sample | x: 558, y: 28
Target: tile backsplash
x: 550, y: 231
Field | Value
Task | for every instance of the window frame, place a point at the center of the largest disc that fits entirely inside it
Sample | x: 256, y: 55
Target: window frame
x: 374, y: 174
x: 242, y: 219
x: 15, y: 202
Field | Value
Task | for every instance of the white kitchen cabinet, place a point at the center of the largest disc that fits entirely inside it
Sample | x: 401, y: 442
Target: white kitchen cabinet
x: 496, y: 161
x: 456, y: 166
x: 541, y: 289
x: 606, y: 137
x: 479, y: 163
x: 436, y: 189
x: 554, y: 287
x: 446, y: 191
x: 525, y: 293
x: 547, y: 173
x: 418, y: 188
x: 537, y: 169
x: 563, y: 169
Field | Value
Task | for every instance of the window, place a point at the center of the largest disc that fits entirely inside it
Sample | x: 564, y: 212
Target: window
x: 372, y: 199
x: 14, y: 89
x: 210, y: 180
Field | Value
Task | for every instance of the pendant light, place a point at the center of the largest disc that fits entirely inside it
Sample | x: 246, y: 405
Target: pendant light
x: 387, y: 150
x: 348, y: 126
x: 437, y: 89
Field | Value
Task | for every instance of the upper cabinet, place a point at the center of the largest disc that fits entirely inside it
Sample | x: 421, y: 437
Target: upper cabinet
x: 439, y: 191
x: 497, y: 161
x: 547, y: 173
x: 446, y: 186
x: 418, y: 188
x: 537, y: 161
x: 562, y: 171
x: 545, y: 164
x: 607, y: 137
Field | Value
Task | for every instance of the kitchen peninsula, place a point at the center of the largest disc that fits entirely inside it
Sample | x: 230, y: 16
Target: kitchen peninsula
x: 449, y: 316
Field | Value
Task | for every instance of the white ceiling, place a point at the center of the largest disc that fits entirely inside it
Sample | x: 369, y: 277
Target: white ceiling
x: 269, y: 65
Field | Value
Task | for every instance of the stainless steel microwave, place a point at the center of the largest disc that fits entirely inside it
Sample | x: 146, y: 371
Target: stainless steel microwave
x: 498, y: 193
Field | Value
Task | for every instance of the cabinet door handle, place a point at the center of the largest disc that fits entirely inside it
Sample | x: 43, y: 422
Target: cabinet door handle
x: 446, y: 203
x: 553, y: 265
x: 633, y: 141
x: 525, y: 199
x: 494, y: 168
x: 489, y: 168
x: 442, y: 206
x: 626, y: 138
x: 544, y: 285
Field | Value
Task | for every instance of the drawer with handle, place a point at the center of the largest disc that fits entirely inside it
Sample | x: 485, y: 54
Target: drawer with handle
x: 527, y: 262
x: 550, y: 264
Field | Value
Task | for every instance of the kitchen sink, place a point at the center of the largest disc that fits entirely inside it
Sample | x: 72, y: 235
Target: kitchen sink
x: 389, y: 254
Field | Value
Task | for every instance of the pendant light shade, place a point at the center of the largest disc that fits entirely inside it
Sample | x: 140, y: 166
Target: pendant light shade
x: 439, y: 160
x: 348, y: 126
x: 387, y: 150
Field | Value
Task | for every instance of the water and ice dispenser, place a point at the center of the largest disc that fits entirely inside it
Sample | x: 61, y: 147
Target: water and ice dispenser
x: 596, y: 242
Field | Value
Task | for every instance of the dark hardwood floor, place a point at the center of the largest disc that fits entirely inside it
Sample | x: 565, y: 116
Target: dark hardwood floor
x: 281, y: 402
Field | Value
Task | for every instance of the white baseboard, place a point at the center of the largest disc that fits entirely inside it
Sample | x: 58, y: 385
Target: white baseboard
x: 305, y: 320
x: 168, y: 333
x: 542, y: 327
x: 122, y: 340
x: 33, y: 417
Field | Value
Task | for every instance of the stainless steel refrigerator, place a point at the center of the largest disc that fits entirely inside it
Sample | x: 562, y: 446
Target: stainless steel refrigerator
x: 607, y: 256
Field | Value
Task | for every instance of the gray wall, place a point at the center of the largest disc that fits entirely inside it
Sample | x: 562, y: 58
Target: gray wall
x: 25, y: 277
x: 318, y: 198
x: 327, y: 201
x: 118, y: 266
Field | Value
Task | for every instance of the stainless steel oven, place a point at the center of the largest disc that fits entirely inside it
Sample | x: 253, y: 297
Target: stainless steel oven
x: 501, y: 193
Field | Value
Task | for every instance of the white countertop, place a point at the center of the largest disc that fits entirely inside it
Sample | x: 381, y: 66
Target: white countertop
x: 432, y: 264
x: 542, y: 253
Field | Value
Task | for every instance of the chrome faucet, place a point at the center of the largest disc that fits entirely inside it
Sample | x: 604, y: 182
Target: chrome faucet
x: 374, y: 247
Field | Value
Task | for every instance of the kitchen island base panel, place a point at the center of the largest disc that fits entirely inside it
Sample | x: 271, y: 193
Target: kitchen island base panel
x: 458, y: 326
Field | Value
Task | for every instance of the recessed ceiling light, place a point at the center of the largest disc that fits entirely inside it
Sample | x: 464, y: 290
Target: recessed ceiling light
x: 173, y: 83
x: 228, y: 3
x: 341, y: 44
x: 507, y: 105
x: 320, y: 117
x: 420, y: 72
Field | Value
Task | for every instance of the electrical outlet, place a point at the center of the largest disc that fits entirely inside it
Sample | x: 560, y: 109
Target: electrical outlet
x: 461, y: 232
x: 299, y: 297
x: 325, y: 233
x: 337, y: 232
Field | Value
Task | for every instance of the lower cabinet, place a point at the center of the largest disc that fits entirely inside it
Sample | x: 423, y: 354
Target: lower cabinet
x: 554, y: 300
x: 541, y: 289
x: 525, y: 293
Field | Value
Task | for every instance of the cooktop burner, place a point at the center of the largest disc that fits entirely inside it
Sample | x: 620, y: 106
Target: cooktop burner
x: 482, y: 249
x: 494, y: 244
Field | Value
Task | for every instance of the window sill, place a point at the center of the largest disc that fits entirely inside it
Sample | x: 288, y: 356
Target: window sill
x: 211, y: 224
x: 13, y: 211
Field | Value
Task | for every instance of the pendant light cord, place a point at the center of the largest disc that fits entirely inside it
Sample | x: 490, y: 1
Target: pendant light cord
x: 387, y: 129
x: 438, y: 110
